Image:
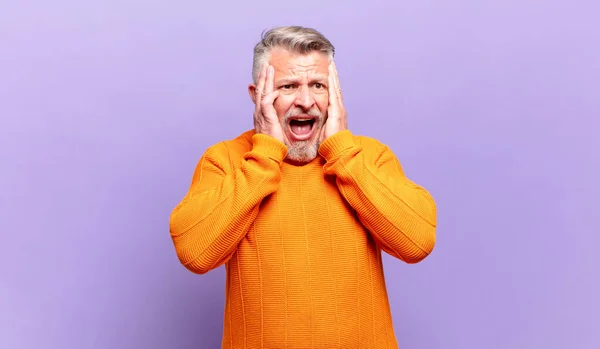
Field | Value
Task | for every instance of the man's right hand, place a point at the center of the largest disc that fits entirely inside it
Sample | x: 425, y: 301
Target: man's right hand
x: 265, y: 116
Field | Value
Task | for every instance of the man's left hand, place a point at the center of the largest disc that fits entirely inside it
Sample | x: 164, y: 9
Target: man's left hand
x: 336, y: 113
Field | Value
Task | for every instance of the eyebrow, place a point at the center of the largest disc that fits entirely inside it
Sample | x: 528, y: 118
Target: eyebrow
x: 316, y: 78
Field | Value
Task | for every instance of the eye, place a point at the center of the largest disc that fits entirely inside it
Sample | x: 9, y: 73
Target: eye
x: 319, y: 85
x: 286, y: 87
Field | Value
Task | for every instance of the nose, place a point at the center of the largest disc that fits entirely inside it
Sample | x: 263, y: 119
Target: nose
x: 304, y: 98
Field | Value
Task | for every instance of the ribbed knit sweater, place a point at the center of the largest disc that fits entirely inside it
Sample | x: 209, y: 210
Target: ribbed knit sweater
x: 302, y: 243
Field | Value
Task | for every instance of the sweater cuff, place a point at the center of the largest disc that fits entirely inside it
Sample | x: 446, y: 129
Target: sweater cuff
x: 333, y: 146
x: 268, y: 146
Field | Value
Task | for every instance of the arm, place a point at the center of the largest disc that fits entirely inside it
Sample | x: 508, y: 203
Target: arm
x: 222, y: 202
x: 400, y: 214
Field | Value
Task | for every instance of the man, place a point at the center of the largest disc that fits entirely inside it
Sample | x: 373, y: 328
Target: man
x: 299, y: 209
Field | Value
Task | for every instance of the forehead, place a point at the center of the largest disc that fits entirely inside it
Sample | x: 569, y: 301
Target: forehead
x: 289, y: 64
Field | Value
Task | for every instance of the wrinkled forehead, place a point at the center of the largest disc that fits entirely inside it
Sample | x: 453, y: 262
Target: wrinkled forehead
x: 313, y: 65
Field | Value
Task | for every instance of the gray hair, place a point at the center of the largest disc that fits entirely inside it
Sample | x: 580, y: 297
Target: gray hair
x: 296, y: 39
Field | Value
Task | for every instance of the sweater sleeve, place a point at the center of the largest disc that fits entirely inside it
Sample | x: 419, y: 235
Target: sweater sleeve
x: 400, y: 214
x: 223, y: 201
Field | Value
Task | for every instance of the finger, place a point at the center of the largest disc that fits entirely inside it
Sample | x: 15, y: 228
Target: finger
x: 322, y: 135
x: 261, y: 84
x: 332, y: 87
x: 269, y: 99
x: 269, y: 79
x: 337, y: 83
x: 337, y: 77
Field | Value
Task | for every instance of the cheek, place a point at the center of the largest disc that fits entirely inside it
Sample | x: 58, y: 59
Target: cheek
x: 322, y: 102
x: 282, y: 104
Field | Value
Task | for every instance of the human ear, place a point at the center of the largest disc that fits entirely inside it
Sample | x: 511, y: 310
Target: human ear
x: 252, y: 92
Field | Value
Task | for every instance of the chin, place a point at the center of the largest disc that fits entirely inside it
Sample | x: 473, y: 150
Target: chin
x: 302, y: 151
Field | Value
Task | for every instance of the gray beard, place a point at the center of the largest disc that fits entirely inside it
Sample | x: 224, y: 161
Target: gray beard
x: 303, y: 151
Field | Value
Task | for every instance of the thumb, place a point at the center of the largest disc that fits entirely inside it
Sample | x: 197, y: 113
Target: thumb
x: 322, y: 135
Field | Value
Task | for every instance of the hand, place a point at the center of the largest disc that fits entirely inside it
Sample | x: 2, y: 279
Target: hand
x: 265, y: 116
x: 336, y: 113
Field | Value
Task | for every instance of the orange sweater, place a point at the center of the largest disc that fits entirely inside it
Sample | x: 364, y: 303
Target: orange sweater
x: 302, y: 244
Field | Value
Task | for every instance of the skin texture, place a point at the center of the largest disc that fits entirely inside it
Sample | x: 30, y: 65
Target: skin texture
x: 298, y: 85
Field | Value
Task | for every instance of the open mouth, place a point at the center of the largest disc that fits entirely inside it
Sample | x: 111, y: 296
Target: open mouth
x: 301, y: 128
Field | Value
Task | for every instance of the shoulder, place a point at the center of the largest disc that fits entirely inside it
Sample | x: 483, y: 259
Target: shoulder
x: 375, y: 149
x: 369, y: 144
x: 232, y: 148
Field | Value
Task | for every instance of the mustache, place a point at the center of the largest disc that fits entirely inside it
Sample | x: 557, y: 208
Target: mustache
x: 315, y: 112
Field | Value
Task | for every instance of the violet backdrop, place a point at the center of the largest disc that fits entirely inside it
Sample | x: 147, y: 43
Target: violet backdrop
x: 106, y: 106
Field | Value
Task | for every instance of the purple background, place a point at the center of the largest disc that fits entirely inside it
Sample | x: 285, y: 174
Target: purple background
x: 106, y: 106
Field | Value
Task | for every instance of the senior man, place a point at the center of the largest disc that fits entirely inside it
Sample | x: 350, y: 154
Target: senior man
x: 299, y: 210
